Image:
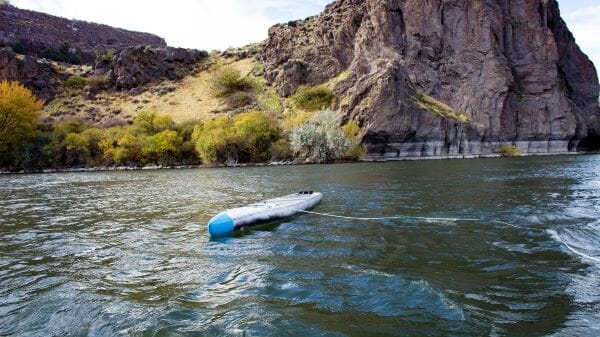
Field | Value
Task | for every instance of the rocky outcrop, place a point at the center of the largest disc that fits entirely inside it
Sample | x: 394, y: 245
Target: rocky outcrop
x: 445, y: 78
x: 136, y: 66
x: 37, y: 75
x: 36, y: 33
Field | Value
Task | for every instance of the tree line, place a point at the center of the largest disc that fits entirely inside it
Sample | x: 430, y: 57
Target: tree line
x: 152, y: 139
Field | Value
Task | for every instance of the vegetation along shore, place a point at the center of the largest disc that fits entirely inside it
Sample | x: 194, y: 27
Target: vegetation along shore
x: 153, y: 140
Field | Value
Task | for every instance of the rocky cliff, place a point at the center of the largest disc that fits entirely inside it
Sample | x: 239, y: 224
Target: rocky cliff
x: 37, y: 33
x: 445, y: 78
x: 135, y: 59
x: 136, y: 66
x: 38, y: 75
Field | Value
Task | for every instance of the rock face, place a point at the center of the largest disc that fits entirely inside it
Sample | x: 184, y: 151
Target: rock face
x: 36, y: 75
x: 445, y: 78
x: 136, y: 66
x: 35, y: 32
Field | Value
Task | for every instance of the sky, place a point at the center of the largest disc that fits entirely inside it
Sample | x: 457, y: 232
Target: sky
x: 219, y: 24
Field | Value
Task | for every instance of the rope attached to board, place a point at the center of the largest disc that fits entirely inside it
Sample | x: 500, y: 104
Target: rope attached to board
x: 383, y: 218
x: 409, y: 217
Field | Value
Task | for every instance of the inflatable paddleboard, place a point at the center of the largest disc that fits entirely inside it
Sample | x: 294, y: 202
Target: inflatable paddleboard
x: 225, y: 223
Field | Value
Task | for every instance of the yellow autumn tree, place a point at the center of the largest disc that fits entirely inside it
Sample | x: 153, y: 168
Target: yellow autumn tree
x: 18, y: 113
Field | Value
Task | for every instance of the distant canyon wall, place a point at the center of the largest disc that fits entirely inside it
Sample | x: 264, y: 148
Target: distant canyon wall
x: 36, y: 32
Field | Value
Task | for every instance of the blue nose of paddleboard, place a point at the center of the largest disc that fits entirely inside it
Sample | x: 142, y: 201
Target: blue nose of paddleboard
x: 221, y: 224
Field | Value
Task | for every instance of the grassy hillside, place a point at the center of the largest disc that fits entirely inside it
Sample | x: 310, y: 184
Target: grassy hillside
x: 218, y: 111
x: 184, y: 100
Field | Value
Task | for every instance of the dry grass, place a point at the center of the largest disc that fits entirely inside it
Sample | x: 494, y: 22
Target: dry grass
x: 440, y: 109
x: 510, y: 151
x: 339, y: 78
x: 185, y: 100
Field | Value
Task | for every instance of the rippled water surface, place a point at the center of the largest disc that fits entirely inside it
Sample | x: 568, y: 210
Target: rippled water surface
x: 127, y: 253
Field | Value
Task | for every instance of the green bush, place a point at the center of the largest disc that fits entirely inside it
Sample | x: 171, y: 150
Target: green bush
x: 213, y: 140
x: 163, y: 148
x: 151, y: 139
x: 76, y: 149
x: 245, y: 138
x: 255, y: 131
x: 510, y: 151
x: 225, y: 81
x: 76, y: 81
x: 108, y: 57
x: 150, y: 123
x: 313, y: 98
x: 93, y: 138
x: 109, y: 144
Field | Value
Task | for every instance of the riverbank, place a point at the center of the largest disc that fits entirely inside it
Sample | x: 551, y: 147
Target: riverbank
x: 450, y: 157
x: 283, y: 163
x: 149, y: 167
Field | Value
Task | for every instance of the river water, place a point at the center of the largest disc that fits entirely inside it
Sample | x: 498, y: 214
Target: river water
x: 127, y: 253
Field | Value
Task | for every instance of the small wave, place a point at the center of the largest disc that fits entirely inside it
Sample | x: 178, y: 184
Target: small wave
x: 577, y: 243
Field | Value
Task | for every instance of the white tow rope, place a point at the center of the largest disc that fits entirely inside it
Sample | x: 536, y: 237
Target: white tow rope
x: 384, y: 218
x: 410, y: 217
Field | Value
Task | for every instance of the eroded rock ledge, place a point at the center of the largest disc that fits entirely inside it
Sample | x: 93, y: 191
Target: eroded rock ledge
x: 510, y: 69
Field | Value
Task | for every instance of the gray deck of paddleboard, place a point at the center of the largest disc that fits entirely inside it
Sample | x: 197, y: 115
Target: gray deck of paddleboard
x: 272, y: 209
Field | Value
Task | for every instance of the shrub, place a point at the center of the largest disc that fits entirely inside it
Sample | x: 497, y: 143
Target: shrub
x: 321, y: 139
x: 163, y: 147
x: 225, y: 81
x: 352, y: 132
x: 94, y: 137
x: 76, y: 149
x: 510, y: 151
x: 281, y: 150
x: 351, y: 129
x: 267, y: 98
x: 109, y: 143
x: 293, y: 120
x: 98, y: 83
x: 313, y: 98
x: 355, y: 151
x: 61, y: 150
x: 213, y: 140
x: 18, y: 113
x: 247, y: 138
x: 255, y: 131
x: 30, y: 155
x: 150, y: 123
x: 129, y: 148
x: 76, y: 81
x: 63, y: 54
x: 108, y: 57
x: 239, y: 99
